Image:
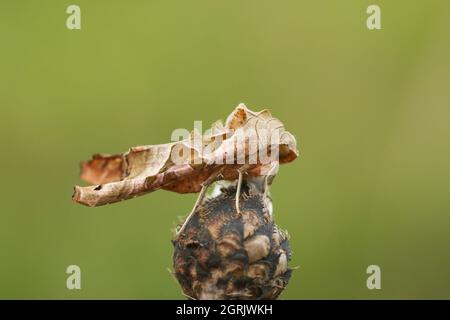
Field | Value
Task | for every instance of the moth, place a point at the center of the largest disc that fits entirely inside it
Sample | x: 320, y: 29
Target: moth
x: 249, y: 144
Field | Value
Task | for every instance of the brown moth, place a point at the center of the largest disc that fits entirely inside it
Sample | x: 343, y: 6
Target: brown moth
x: 226, y: 152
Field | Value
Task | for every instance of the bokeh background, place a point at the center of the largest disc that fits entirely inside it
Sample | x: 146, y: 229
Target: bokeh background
x: 370, y: 110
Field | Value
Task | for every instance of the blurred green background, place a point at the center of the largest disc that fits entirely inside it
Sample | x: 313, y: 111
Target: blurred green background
x: 370, y: 110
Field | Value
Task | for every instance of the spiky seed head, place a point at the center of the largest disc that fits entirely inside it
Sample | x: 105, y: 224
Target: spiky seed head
x: 222, y: 254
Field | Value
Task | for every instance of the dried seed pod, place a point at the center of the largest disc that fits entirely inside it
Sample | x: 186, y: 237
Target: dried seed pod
x: 223, y: 254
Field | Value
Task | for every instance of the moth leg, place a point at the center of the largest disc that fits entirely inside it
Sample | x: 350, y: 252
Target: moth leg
x: 241, y: 171
x: 273, y: 170
x: 201, y: 196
